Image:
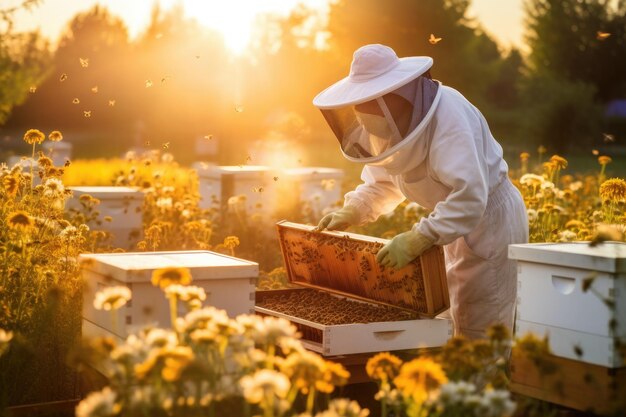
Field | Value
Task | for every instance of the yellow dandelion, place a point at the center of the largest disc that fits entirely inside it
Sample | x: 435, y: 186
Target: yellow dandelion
x: 20, y: 220
x: 524, y: 156
x: 383, y: 367
x: 34, y: 136
x: 613, y: 190
x: 55, y: 136
x: 559, y: 161
x: 165, y: 277
x: 604, y: 160
x: 420, y: 378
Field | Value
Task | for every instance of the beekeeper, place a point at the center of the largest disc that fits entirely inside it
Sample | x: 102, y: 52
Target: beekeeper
x: 423, y: 141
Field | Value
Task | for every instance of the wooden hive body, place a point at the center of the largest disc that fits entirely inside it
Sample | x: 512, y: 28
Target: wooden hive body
x: 344, y: 264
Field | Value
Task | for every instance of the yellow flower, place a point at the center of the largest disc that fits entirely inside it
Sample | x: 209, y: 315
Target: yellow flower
x: 44, y: 161
x: 176, y: 360
x: 111, y: 298
x: 335, y: 375
x: 231, y: 242
x: 559, y: 161
x: 419, y: 379
x: 304, y: 369
x: 11, y: 184
x: 613, y: 190
x: 20, y: 220
x: 167, y: 276
x: 531, y: 180
x: 55, y: 136
x: 604, y: 160
x: 574, y: 224
x: 264, y: 385
x: 383, y: 367
x: 524, y: 156
x: 541, y: 150
x: 34, y: 136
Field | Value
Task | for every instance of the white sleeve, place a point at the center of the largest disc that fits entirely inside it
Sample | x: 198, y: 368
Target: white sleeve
x: 377, y: 195
x: 457, y: 161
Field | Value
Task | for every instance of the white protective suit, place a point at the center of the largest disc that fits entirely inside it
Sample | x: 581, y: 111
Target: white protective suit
x: 455, y: 168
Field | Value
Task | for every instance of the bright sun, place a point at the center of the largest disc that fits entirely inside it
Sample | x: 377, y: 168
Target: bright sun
x: 234, y: 19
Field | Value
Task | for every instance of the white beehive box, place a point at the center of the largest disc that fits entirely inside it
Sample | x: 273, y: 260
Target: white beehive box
x: 122, y: 204
x: 551, y: 301
x: 420, y: 288
x: 59, y: 152
x: 229, y: 283
x: 256, y: 183
x: 318, y: 186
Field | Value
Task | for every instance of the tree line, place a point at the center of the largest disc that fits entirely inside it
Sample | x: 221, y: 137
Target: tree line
x: 177, y: 81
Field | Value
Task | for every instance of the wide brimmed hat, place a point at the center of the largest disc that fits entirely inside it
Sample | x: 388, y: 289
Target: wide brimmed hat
x: 376, y: 70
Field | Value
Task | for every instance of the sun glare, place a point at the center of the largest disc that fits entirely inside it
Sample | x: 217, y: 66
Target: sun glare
x: 235, y: 19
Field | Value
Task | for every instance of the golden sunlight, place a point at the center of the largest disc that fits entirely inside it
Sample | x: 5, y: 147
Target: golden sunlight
x: 235, y: 19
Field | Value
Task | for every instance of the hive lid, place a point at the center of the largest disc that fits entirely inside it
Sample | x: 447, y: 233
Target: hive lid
x: 138, y: 266
x: 238, y: 171
x: 108, y: 192
x: 606, y: 257
x: 345, y: 263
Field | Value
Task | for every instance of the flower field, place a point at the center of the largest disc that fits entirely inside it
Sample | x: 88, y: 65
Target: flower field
x: 208, y: 363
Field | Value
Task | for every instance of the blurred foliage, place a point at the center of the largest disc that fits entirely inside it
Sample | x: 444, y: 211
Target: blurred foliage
x: 23, y: 59
x: 575, y: 67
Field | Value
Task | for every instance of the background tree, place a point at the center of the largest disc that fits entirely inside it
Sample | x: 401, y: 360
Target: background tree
x: 573, y: 69
x: 23, y: 59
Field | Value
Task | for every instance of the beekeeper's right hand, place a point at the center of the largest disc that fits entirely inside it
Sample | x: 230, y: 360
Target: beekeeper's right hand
x: 339, y: 220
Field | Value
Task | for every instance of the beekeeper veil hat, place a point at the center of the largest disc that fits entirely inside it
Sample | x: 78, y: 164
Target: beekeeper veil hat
x: 376, y: 110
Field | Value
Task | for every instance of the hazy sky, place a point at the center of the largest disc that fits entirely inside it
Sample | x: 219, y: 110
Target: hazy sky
x: 501, y: 18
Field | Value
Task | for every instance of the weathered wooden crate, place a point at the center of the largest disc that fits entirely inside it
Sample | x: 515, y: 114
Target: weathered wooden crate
x: 319, y: 186
x: 229, y: 283
x: 344, y: 264
x: 217, y: 184
x: 575, y: 384
x: 582, y: 325
x: 122, y: 204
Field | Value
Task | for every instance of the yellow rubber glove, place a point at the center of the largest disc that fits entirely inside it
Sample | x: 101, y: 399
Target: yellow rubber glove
x: 339, y: 220
x: 403, y: 248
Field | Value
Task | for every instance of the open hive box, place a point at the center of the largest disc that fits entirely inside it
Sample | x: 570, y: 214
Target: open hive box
x: 350, y: 304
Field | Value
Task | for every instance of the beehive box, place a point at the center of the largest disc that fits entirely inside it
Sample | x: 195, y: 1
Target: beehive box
x: 581, y: 325
x: 219, y: 183
x: 320, y: 187
x: 122, y: 204
x: 229, y: 283
x: 339, y: 264
x: 570, y: 383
